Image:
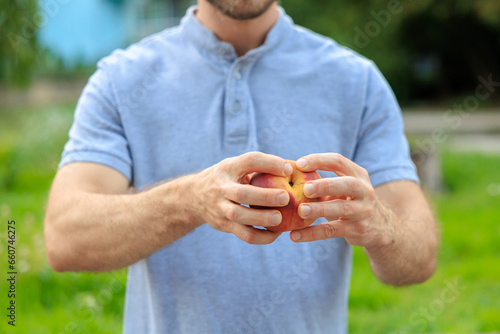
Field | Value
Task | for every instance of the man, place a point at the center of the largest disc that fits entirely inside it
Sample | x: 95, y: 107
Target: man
x: 181, y: 118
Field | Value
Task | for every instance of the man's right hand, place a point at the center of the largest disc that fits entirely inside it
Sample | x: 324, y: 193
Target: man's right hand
x: 93, y: 222
x: 223, y: 188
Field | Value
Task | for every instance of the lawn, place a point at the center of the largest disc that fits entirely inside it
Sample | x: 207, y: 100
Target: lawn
x: 463, y: 296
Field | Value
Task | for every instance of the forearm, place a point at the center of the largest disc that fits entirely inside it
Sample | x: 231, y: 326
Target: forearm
x: 100, y: 232
x: 409, y: 253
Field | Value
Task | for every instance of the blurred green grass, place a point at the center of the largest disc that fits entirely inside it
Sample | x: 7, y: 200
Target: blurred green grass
x: 463, y: 296
x: 469, y: 258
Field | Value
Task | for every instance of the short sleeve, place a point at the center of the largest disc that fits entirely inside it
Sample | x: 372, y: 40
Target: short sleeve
x: 97, y: 134
x: 382, y: 148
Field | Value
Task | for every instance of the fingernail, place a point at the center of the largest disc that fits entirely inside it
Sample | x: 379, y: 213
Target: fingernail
x: 302, y: 163
x: 296, y: 236
x: 276, y: 219
x: 305, y: 210
x: 309, y: 189
x: 283, y: 199
x: 288, y: 169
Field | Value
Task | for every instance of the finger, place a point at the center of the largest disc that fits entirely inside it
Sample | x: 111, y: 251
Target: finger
x: 253, y: 235
x: 248, y: 177
x: 260, y: 162
x: 337, y: 187
x: 333, y: 162
x: 328, y: 230
x: 247, y: 216
x: 335, y: 209
x: 331, y: 198
x: 251, y: 195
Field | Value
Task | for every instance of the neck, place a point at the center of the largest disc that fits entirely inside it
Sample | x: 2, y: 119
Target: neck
x: 244, y: 35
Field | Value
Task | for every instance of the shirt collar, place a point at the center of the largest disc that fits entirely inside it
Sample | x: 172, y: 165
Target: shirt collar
x: 206, y: 40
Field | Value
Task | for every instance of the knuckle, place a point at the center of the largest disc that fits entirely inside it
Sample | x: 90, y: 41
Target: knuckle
x: 270, y: 199
x: 329, y: 231
x: 354, y: 186
x: 223, y: 225
x: 216, y: 189
x: 339, y: 158
x: 364, y: 172
x: 371, y: 193
x: 221, y: 167
x: 324, y: 187
x: 232, y: 213
x: 236, y: 194
x: 248, y: 159
x: 347, y: 208
x: 360, y: 228
x: 369, y: 210
x: 248, y: 237
x: 319, y: 209
x: 330, y: 186
x: 217, y: 186
x: 268, y: 241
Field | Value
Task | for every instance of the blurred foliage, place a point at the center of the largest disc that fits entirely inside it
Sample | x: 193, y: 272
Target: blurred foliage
x: 52, y: 67
x: 427, y: 49
x: 19, y: 21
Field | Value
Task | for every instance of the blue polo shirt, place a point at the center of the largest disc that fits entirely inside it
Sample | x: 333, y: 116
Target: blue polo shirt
x: 181, y: 101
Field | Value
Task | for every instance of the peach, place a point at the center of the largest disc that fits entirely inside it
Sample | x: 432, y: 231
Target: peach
x: 294, y: 185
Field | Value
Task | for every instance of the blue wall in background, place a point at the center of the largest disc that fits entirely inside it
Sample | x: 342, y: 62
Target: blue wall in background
x: 83, y: 31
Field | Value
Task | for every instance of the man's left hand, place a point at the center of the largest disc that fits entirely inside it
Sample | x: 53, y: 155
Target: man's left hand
x: 348, y: 202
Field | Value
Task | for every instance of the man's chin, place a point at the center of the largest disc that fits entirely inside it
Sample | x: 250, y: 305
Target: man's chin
x: 243, y: 9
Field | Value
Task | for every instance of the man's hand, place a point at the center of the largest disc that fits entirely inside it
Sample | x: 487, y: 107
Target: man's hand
x: 393, y: 222
x: 94, y: 223
x: 223, y: 188
x: 348, y: 202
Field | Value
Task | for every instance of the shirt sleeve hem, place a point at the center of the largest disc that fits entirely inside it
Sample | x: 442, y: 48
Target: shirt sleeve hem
x: 393, y: 174
x: 98, y: 158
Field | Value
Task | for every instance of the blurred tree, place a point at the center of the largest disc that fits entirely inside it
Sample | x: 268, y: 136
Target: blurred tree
x: 427, y: 49
x: 459, y: 39
x: 19, y: 20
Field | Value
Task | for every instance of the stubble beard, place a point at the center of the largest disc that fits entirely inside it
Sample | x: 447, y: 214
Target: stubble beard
x: 242, y: 9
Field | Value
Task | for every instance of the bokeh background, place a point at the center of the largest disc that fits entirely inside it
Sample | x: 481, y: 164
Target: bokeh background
x: 442, y: 58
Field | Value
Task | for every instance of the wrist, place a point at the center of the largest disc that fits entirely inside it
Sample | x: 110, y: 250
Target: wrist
x: 386, y: 220
x: 178, y: 203
x: 188, y: 192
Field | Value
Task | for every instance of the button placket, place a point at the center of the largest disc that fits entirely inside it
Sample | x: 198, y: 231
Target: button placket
x: 236, y: 106
x: 237, y: 74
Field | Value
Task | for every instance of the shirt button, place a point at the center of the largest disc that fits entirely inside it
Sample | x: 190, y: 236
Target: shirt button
x: 237, y: 75
x: 222, y: 50
x: 236, y: 107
